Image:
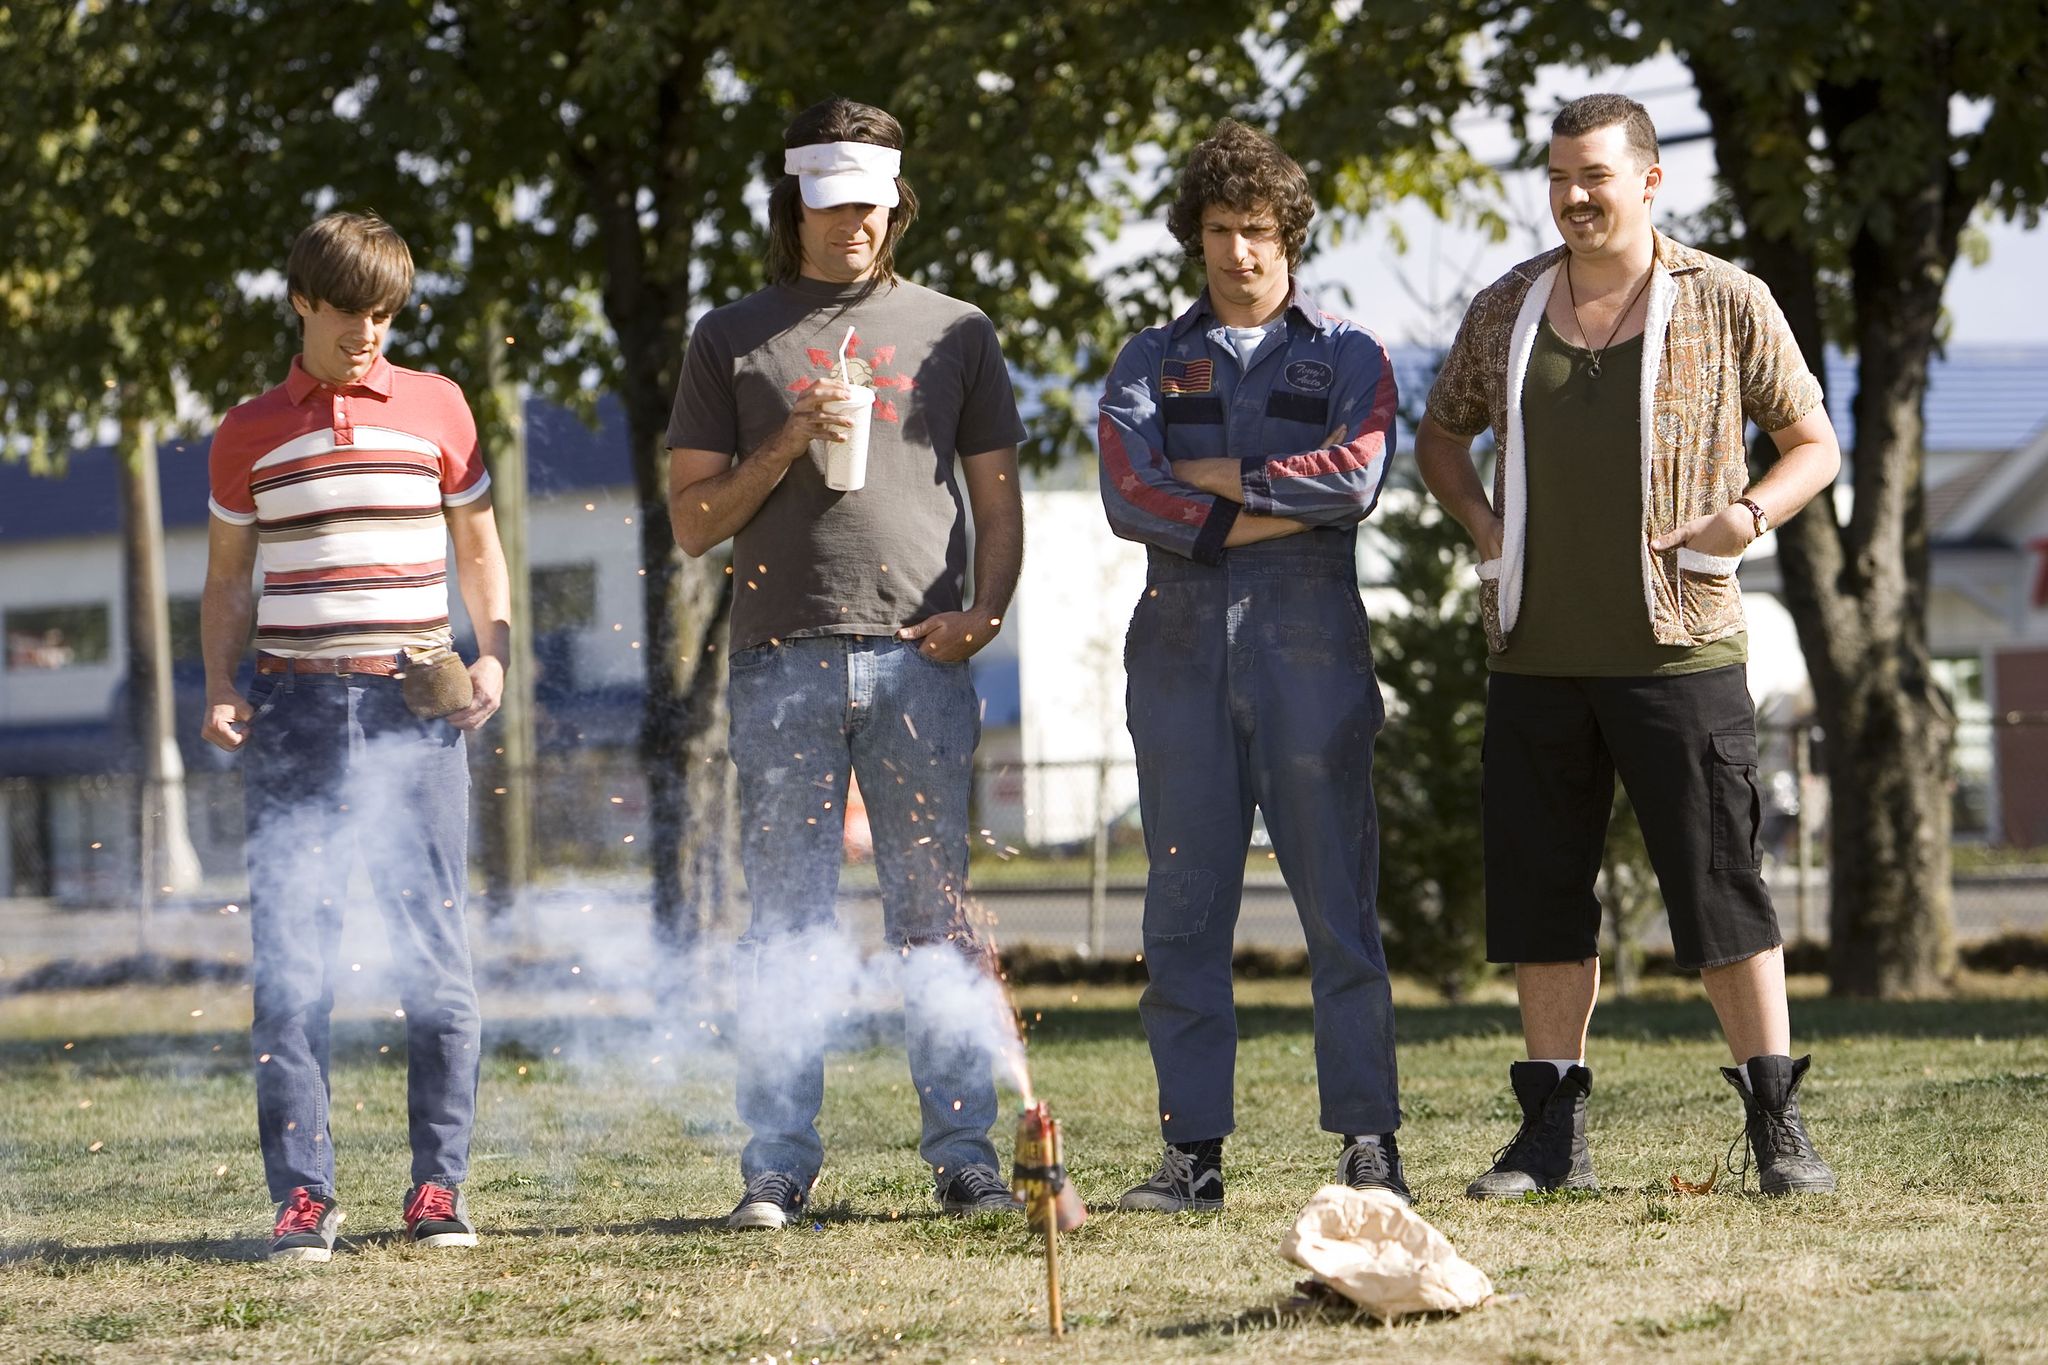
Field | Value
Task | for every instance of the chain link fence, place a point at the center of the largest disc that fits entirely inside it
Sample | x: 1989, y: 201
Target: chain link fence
x: 1058, y: 854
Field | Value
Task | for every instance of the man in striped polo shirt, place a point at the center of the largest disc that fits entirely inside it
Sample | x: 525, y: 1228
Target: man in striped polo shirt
x: 343, y: 486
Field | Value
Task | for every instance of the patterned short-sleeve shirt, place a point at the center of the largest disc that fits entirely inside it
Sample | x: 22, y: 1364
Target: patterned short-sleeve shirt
x: 1723, y: 355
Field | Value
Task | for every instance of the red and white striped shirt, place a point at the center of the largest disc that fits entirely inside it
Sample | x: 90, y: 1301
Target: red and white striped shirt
x: 346, y: 487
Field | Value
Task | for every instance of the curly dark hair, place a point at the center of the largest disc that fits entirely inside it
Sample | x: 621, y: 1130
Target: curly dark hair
x: 1591, y: 113
x: 1241, y: 168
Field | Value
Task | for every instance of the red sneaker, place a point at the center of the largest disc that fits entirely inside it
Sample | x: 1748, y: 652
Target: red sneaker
x: 306, y: 1228
x: 437, y: 1216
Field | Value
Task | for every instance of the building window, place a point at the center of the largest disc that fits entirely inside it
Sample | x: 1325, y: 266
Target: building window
x: 40, y: 638
x: 564, y: 598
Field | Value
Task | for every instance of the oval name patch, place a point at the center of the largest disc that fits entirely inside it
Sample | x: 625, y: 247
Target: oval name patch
x: 1310, y: 376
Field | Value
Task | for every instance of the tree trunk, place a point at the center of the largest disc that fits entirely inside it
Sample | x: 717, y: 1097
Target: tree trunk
x: 693, y: 833
x: 692, y: 816
x: 1890, y: 931
x: 167, y: 863
x: 507, y: 823
x: 1858, y: 592
x: 1890, y: 730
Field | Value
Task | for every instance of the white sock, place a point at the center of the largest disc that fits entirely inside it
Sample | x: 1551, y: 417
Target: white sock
x: 1371, y: 1138
x: 1561, y: 1063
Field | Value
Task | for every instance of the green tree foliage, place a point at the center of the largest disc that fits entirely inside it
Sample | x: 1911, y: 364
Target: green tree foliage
x: 584, y: 178
x: 152, y: 159
x: 1855, y: 157
x: 1856, y: 139
x: 1431, y: 659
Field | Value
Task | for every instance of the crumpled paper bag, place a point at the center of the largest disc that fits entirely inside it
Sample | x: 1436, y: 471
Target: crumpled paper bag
x: 1382, y: 1255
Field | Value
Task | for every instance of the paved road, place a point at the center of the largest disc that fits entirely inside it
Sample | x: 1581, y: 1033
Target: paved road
x: 1982, y: 909
x: 607, y: 925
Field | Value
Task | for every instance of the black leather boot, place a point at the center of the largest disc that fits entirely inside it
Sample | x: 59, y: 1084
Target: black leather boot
x: 1549, y: 1152
x: 1786, y: 1162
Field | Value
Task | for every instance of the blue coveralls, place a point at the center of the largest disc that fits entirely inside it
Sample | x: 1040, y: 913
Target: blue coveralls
x: 1251, y: 681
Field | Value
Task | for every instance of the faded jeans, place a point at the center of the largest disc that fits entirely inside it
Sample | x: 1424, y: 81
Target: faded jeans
x: 335, y: 767
x: 804, y: 712
x: 1251, y: 682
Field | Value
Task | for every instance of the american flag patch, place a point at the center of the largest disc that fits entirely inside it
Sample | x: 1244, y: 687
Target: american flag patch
x: 1186, y: 376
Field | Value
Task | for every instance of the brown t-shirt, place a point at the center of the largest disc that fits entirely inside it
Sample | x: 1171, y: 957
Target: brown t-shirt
x: 818, y: 562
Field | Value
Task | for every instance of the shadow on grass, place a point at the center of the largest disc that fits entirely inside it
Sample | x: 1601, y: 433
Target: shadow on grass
x: 1641, y: 1020
x: 1242, y: 1322
x: 60, y: 1256
x: 1313, y: 1303
x: 356, y: 1043
x: 522, y: 1037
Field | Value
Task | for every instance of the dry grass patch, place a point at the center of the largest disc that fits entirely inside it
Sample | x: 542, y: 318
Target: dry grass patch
x: 602, y: 1176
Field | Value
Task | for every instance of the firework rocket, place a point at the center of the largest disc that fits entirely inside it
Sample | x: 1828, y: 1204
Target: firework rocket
x: 1050, y: 1203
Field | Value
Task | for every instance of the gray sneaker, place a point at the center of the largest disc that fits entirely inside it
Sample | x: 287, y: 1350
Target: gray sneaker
x: 1373, y: 1164
x: 976, y: 1189
x: 306, y: 1228
x: 1185, y: 1182
x: 773, y: 1199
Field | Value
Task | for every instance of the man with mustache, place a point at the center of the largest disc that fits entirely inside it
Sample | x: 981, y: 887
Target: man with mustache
x: 1242, y: 443
x: 850, y: 633
x: 1617, y: 373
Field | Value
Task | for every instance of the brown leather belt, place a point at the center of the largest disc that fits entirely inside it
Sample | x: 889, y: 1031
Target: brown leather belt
x: 380, y: 665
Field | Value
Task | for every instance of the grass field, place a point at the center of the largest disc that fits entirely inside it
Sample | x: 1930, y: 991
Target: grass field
x: 132, y: 1214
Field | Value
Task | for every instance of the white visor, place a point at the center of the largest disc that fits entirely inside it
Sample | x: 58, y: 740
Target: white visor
x: 835, y: 173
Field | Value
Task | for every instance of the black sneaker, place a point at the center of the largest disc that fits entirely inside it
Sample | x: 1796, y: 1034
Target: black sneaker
x: 438, y: 1216
x: 1786, y: 1162
x: 1549, y: 1151
x: 1186, y: 1181
x: 976, y: 1189
x: 1373, y: 1164
x: 306, y: 1228
x: 773, y: 1200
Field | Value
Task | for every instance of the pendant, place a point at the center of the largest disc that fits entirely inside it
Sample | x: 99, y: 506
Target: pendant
x: 1593, y: 368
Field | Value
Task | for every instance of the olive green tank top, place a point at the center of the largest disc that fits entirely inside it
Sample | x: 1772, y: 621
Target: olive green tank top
x: 1582, y: 612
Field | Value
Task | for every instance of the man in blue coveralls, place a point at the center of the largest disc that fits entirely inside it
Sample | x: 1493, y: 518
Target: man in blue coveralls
x: 1242, y: 443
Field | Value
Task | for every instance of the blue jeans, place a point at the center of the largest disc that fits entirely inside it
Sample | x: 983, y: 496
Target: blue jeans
x: 337, y: 767
x: 1251, y: 682
x: 804, y: 712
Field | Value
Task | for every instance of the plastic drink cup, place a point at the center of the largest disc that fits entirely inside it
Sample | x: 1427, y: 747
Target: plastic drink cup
x: 846, y: 462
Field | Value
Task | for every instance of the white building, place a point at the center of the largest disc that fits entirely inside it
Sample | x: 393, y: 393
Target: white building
x: 1987, y: 616
x: 1056, y: 757
x: 64, y: 819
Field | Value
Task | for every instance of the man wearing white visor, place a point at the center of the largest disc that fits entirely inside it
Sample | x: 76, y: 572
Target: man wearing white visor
x: 824, y: 425
x: 830, y: 174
